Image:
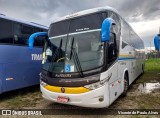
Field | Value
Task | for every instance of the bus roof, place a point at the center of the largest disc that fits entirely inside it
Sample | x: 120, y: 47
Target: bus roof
x: 24, y: 22
x: 94, y: 10
x: 85, y: 12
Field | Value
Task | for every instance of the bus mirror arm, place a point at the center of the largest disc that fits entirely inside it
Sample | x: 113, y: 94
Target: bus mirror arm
x: 106, y: 29
x: 33, y: 36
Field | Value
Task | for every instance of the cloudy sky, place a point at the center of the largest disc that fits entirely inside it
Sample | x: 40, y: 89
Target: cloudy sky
x: 143, y: 15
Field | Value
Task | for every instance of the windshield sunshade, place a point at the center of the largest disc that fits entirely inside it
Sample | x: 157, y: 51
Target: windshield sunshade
x: 83, y: 23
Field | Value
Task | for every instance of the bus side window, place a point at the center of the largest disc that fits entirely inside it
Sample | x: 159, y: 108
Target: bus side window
x: 6, y: 32
x: 26, y: 29
x: 18, y: 38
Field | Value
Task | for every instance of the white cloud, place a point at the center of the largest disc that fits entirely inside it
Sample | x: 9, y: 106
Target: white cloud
x: 146, y: 30
x: 146, y: 27
x: 143, y: 15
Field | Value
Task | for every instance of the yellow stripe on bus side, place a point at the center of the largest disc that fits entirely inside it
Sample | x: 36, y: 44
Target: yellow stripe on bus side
x: 67, y: 90
x: 126, y: 55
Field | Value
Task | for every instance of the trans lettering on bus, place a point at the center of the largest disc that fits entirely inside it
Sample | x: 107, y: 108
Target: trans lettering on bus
x: 37, y: 57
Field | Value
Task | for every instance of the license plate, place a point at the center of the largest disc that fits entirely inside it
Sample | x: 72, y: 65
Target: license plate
x: 62, y: 99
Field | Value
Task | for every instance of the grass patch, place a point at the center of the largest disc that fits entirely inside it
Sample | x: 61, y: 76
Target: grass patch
x: 27, y: 97
x: 152, y: 71
x: 152, y: 74
x: 152, y: 65
x: 20, y: 101
x: 148, y: 101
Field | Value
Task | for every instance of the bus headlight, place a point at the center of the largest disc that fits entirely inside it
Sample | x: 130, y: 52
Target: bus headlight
x: 43, y: 83
x: 98, y: 84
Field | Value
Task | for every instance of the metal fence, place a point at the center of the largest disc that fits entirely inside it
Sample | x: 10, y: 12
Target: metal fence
x: 153, y: 54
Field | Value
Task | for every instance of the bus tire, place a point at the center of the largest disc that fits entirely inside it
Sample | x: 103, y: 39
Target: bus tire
x: 126, y: 85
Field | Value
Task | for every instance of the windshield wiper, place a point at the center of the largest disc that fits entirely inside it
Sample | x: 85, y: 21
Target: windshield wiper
x: 76, y: 59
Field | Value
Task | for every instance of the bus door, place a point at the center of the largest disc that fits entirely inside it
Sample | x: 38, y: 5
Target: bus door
x: 114, y: 87
x: 112, y: 55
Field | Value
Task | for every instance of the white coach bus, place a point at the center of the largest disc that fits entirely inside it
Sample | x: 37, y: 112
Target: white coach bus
x: 97, y: 57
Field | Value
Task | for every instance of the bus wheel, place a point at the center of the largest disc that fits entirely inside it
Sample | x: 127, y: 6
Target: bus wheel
x: 126, y: 85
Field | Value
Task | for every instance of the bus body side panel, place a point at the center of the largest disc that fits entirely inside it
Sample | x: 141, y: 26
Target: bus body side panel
x: 1, y: 77
x: 132, y: 62
x: 132, y: 48
x: 114, y: 87
x: 22, y: 66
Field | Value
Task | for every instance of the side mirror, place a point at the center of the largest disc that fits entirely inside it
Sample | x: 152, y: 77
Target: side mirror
x: 106, y: 29
x: 157, y: 42
x: 32, y: 37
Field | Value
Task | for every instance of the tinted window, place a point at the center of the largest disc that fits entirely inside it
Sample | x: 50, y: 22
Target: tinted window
x: 39, y: 30
x: 17, y: 33
x: 17, y: 28
x: 104, y: 15
x: 27, y: 29
x: 22, y: 33
x: 125, y: 33
x: 58, y: 28
x: 20, y: 40
x: 135, y: 40
x: 6, y: 34
x: 88, y: 22
x: 129, y: 36
x: 18, y: 37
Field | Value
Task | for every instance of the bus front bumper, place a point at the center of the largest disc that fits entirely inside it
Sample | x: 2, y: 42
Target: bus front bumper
x: 98, y: 98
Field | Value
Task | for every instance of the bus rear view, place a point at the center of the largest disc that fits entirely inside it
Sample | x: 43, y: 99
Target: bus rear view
x: 85, y: 60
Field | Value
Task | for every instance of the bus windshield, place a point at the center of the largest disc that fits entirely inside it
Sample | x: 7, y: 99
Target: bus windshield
x: 79, y: 46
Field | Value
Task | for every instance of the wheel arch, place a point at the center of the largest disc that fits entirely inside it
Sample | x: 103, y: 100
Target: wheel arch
x: 126, y: 72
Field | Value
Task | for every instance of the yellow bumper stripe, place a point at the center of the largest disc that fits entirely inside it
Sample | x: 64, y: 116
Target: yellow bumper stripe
x: 67, y: 90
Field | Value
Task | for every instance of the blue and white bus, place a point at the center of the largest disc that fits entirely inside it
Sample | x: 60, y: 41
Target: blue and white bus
x: 19, y: 67
x: 97, y: 58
